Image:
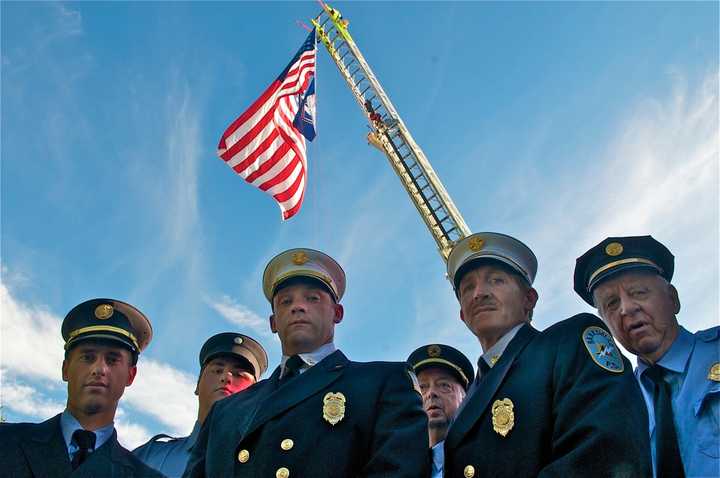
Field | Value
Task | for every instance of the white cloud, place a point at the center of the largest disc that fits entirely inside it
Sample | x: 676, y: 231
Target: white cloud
x: 240, y: 315
x: 130, y: 435
x: 28, y: 400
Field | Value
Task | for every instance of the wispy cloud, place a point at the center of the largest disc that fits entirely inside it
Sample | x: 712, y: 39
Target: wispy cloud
x: 238, y: 314
x: 28, y: 400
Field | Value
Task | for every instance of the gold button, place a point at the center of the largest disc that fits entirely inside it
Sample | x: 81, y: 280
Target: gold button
x: 282, y: 472
x: 243, y: 456
x: 287, y: 444
x: 469, y: 471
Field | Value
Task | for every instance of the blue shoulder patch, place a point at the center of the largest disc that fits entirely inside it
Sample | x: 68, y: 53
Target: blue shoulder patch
x: 708, y: 335
x: 602, y: 349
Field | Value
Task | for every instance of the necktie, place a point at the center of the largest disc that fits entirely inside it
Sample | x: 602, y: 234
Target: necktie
x: 292, y: 368
x: 669, y: 462
x: 483, y: 368
x: 85, y: 441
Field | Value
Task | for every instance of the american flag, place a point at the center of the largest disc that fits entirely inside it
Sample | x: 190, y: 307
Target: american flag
x: 266, y: 144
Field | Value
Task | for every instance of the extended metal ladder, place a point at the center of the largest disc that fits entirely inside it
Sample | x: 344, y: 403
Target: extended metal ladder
x: 390, y: 135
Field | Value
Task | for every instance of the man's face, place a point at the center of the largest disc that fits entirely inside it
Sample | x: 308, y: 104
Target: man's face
x: 223, y: 376
x: 441, y: 394
x: 304, y: 317
x: 639, y: 308
x: 492, y: 301
x: 97, y: 374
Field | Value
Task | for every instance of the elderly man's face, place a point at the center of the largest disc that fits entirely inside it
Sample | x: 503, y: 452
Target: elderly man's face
x: 639, y: 307
x: 492, y: 301
x: 441, y: 394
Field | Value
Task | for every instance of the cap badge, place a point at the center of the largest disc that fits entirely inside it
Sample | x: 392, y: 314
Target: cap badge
x: 614, y: 249
x: 238, y: 340
x: 602, y: 349
x: 104, y: 311
x: 433, y: 351
x: 333, y: 407
x: 476, y: 243
x: 503, y: 417
x: 299, y: 258
x: 714, y: 373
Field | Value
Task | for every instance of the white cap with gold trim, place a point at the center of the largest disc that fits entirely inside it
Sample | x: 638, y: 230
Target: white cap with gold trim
x: 302, y: 262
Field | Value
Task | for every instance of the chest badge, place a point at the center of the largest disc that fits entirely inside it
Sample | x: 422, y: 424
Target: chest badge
x: 503, y: 417
x: 602, y: 349
x: 714, y: 373
x: 334, y: 407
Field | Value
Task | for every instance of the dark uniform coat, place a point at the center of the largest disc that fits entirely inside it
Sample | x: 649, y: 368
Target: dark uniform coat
x: 572, y: 417
x: 38, y: 450
x: 278, y: 430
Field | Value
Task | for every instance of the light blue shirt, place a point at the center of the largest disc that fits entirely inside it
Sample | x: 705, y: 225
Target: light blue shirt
x: 168, y: 455
x: 68, y: 425
x: 695, y: 399
x: 438, y: 458
x: 310, y: 358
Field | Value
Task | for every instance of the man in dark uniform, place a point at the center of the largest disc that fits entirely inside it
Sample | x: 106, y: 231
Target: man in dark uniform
x: 561, y: 402
x: 229, y: 363
x: 103, y: 338
x: 444, y: 375
x: 319, y: 414
x: 628, y: 280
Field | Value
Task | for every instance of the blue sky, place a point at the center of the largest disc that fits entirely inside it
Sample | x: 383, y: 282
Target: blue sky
x: 559, y: 123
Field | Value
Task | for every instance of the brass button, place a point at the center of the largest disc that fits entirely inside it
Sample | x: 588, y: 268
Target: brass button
x: 243, y: 456
x: 287, y: 444
x: 282, y: 472
x: 469, y: 471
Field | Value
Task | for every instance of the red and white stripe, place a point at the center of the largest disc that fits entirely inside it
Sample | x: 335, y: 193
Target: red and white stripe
x: 263, y: 146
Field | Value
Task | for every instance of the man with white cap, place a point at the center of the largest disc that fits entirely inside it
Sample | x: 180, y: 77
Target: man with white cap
x: 561, y: 402
x: 319, y: 414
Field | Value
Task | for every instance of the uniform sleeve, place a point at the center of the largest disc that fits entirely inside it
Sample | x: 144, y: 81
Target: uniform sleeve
x: 400, y: 438
x: 601, y: 424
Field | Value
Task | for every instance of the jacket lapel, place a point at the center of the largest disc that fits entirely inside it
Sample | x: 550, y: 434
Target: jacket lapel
x: 478, y: 402
x: 45, y: 449
x: 282, y: 397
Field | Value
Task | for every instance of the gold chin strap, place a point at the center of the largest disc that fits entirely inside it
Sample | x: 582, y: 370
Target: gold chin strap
x: 630, y: 260
x: 102, y: 328
x: 444, y: 362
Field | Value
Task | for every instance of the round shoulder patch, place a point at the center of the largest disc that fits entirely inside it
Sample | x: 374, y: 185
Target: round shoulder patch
x: 602, y: 349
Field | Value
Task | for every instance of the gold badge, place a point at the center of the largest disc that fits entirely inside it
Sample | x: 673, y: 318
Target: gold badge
x: 299, y: 258
x: 469, y: 471
x: 104, y: 311
x: 714, y: 373
x: 614, y: 249
x: 433, y: 351
x: 503, y: 417
x: 476, y: 243
x: 333, y: 407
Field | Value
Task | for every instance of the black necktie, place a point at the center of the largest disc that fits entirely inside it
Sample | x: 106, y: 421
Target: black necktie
x: 292, y: 368
x: 85, y: 441
x: 667, y: 452
x: 483, y: 368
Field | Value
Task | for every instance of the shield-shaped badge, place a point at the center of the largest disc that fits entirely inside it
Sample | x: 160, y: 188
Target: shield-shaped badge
x: 334, y: 407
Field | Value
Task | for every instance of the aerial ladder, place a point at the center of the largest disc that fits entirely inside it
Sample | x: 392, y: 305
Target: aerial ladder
x: 390, y: 135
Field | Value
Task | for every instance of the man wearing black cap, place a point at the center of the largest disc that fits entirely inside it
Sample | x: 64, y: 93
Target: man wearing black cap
x: 319, y: 415
x: 561, y: 402
x: 103, y: 338
x: 229, y: 363
x: 444, y: 375
x: 628, y: 280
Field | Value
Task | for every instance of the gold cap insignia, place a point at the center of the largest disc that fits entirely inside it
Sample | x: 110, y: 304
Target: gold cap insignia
x: 333, y: 407
x: 614, y: 249
x: 287, y: 444
x: 476, y: 243
x: 238, y: 340
x: 469, y: 471
x: 104, y: 311
x: 503, y: 417
x: 243, y: 456
x: 714, y: 373
x: 433, y: 351
x: 299, y: 258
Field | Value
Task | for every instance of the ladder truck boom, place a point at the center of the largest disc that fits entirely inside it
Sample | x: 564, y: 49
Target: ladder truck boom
x: 390, y: 135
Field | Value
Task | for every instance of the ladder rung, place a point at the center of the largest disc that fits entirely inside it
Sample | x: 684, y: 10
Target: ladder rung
x: 363, y: 91
x: 344, y: 55
x: 440, y: 221
x: 352, y: 73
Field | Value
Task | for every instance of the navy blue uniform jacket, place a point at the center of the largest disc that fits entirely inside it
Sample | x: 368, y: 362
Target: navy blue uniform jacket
x: 38, y: 450
x: 383, y: 431
x: 571, y: 416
